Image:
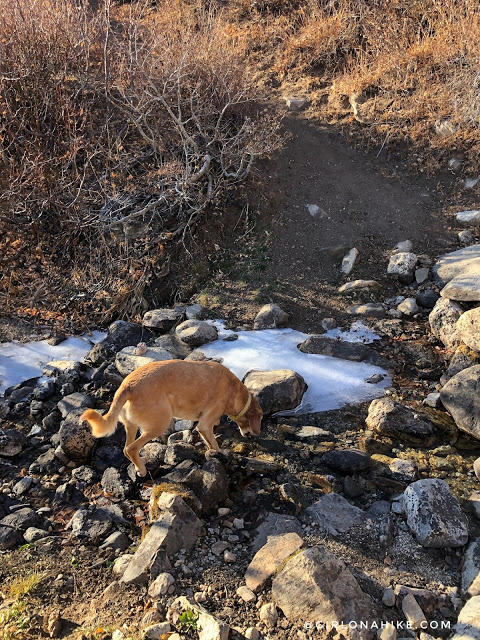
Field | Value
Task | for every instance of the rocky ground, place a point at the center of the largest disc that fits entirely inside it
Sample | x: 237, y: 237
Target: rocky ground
x: 366, y: 514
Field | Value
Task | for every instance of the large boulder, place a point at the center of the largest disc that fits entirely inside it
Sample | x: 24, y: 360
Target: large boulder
x: 196, y: 332
x: 462, y: 262
x: 390, y: 418
x: 316, y: 585
x: 434, y: 515
x: 461, y: 397
x: 276, y: 390
x: 120, y: 334
x: 443, y: 321
x: 127, y: 360
x: 270, y: 316
x: 162, y: 320
x: 468, y: 328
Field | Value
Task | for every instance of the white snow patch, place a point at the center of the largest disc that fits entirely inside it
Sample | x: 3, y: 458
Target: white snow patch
x: 332, y: 382
x: 21, y: 361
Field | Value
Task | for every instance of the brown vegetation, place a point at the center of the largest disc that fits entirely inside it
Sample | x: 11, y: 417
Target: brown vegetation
x: 124, y: 128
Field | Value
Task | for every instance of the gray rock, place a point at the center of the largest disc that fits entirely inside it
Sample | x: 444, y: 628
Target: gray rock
x: 63, y: 370
x: 347, y: 460
x: 468, y: 328
x: 116, y: 540
x: 21, y: 519
x: 463, y: 288
x: 433, y: 400
x: 160, y: 586
x: 76, y: 437
x: 275, y: 524
x: 476, y: 468
x: 157, y: 631
x: 63, y: 493
x: 276, y: 390
x: 460, y: 396
x: 74, y: 402
x: 368, y: 310
x: 116, y: 483
x: 408, y: 307
x: 121, y: 334
x: 461, y: 262
x: 127, y: 360
x: 83, y: 474
x: 12, y: 442
x: 92, y: 524
x: 45, y: 463
x: 348, y: 261
x: 321, y: 344
x: 270, y: 316
x: 308, y: 432
x: 176, y: 347
x: 45, y: 389
x: 162, y: 319
x: 194, y: 312
x: 422, y: 275
x: 466, y: 237
x: 471, y: 569
x: 32, y: 534
x: 434, y: 515
x: 335, y: 514
x: 405, y: 246
x: 471, y: 217
x: 413, y: 613
x: 196, y: 332
x: 388, y: 598
x: 391, y: 418
x: 295, y: 104
x: 9, y: 537
x: 177, y: 528
x: 153, y: 455
x: 358, y: 285
x: 402, y: 266
x: 22, y: 486
x: 316, y: 585
x: 403, y: 470
x: 210, y: 484
x: 427, y: 298
x: 443, y: 321
x: 468, y: 623
x: 179, y: 451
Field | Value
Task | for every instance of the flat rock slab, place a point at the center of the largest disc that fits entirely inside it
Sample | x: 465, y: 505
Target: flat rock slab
x: 323, y: 345
x: 461, y: 397
x: 434, y: 515
x: 74, y: 402
x: 368, y: 310
x: 316, y: 585
x: 270, y: 558
x: 177, y: 528
x: 464, y: 288
x: 127, y: 360
x: 335, y: 514
x: 462, y: 262
x: 275, y: 524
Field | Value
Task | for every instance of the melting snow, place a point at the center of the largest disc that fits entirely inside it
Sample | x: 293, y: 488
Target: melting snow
x: 19, y: 362
x: 332, y: 382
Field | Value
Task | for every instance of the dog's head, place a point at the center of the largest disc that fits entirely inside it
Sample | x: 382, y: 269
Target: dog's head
x: 251, y: 423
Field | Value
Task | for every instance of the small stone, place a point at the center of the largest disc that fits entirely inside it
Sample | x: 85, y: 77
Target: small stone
x: 422, y: 275
x: 270, y: 316
x: 328, y: 323
x: 406, y: 246
x: 246, y: 594
x: 413, y: 613
x: 156, y: 631
x: 196, y: 332
x: 252, y: 633
x: 466, y: 237
x: 433, y: 400
x: 476, y: 468
x: 160, y: 586
x: 238, y: 523
x: 388, y: 598
x: 471, y: 217
x: 161, y: 319
x: 294, y: 104
x: 388, y: 632
x: 348, y: 261
x: 269, y: 615
x: 54, y: 624
x: 402, y: 266
x: 229, y: 557
x: 358, y: 285
x: 408, y: 307
x: 368, y: 310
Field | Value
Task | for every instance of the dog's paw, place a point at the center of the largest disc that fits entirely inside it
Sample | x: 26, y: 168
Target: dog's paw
x: 141, y: 473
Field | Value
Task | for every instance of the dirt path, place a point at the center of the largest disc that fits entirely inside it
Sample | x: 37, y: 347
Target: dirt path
x: 361, y: 201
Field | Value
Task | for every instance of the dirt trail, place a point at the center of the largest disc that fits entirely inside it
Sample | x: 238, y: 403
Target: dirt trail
x: 363, y: 201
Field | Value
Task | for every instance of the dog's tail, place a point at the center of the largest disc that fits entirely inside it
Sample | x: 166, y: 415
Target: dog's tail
x: 106, y: 425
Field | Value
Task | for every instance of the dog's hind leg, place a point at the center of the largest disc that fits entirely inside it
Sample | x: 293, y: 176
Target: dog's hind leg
x: 130, y: 432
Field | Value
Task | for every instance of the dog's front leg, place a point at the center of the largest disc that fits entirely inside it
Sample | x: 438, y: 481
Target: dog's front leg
x: 205, y: 429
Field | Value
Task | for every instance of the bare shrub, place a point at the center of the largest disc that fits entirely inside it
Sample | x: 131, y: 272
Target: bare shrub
x: 117, y: 126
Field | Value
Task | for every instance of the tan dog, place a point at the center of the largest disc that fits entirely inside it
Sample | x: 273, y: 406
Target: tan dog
x: 152, y: 395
